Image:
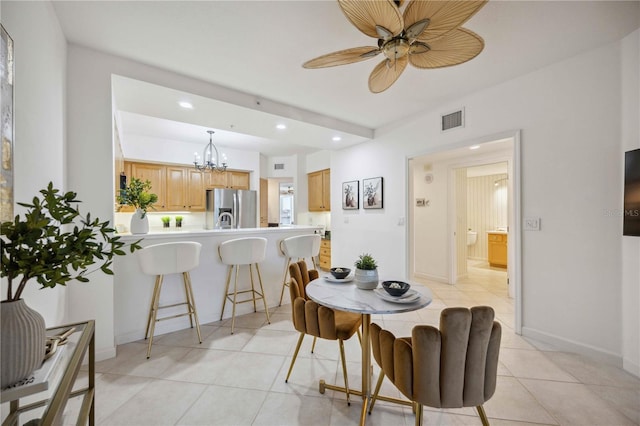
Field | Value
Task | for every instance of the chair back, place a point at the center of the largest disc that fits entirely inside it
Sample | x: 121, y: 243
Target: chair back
x: 169, y: 258
x: 243, y: 251
x: 301, y: 246
x: 451, y: 367
x: 300, y: 277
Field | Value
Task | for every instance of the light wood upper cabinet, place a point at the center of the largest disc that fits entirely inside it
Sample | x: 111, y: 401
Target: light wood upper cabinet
x: 157, y: 175
x: 216, y: 179
x: 176, y: 185
x: 195, y: 190
x: 228, y: 179
x: 264, y: 203
x: 319, y: 190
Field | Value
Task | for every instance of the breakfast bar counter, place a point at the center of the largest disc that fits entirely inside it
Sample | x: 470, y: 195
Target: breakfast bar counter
x: 133, y: 289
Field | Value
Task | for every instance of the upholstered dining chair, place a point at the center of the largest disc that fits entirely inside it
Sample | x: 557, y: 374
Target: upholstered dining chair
x: 317, y: 320
x: 451, y: 367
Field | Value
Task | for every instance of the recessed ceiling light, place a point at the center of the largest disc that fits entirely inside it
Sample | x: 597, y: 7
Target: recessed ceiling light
x: 281, y: 126
x: 186, y: 105
x: 336, y: 139
x: 474, y: 147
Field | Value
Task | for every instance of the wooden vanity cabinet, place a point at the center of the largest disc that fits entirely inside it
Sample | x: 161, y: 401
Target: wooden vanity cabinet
x: 325, y: 254
x: 319, y: 190
x: 497, y: 250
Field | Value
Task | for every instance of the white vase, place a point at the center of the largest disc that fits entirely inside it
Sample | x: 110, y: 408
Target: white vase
x: 22, y: 341
x: 139, y: 222
x: 366, y: 279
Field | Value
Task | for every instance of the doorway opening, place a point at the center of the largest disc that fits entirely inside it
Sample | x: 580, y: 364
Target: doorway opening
x: 463, y: 211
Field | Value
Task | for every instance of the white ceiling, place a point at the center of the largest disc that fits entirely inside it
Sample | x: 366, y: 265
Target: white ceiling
x: 256, y: 48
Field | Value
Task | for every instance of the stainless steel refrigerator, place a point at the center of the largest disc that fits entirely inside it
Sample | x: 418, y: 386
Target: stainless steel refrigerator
x: 231, y: 208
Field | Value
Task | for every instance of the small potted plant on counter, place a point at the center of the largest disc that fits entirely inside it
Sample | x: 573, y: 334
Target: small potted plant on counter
x: 137, y: 195
x: 366, y: 276
x: 178, y: 221
x: 166, y: 221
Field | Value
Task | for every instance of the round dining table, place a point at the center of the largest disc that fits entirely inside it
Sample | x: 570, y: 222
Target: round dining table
x: 343, y: 295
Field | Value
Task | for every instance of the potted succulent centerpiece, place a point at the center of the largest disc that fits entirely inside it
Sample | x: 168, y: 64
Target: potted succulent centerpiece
x: 137, y: 195
x: 366, y: 275
x: 51, y: 244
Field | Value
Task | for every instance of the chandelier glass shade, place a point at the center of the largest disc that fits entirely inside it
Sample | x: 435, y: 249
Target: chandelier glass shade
x: 211, y: 161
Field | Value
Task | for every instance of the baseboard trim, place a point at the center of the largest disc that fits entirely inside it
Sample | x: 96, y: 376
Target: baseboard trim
x: 573, y: 346
x: 431, y: 277
x: 631, y: 367
x: 105, y: 353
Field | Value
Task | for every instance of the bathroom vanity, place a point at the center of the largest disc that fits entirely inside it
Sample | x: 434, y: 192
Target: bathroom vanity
x: 497, y: 248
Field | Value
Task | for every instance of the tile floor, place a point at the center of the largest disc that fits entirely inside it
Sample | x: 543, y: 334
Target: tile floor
x: 239, y: 379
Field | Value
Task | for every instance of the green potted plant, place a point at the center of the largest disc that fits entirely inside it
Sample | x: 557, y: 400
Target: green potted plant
x: 178, y: 221
x: 166, y: 221
x: 366, y: 275
x: 52, y: 244
x: 137, y: 195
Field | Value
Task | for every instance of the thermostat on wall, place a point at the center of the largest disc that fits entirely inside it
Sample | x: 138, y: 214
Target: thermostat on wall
x: 428, y: 178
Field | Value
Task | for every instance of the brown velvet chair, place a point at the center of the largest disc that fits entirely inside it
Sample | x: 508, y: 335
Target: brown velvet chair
x: 451, y: 367
x: 317, y: 320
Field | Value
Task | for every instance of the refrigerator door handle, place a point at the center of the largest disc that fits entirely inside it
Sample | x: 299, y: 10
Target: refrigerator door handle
x: 236, y: 210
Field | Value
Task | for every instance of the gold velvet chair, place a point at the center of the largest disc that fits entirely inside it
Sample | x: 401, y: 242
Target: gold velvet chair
x: 317, y: 320
x: 451, y: 367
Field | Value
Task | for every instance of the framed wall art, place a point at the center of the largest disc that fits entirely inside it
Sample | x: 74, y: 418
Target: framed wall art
x: 350, y: 195
x: 372, y: 191
x: 6, y: 130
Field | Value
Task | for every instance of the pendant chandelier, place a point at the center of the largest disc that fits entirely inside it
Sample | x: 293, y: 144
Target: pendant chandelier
x: 210, y: 163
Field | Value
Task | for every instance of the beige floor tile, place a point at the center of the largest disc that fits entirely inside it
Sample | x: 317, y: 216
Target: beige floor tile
x: 162, y: 358
x: 123, y: 352
x: 625, y: 400
x: 533, y: 365
x: 305, y: 376
x: 200, y: 366
x: 512, y: 402
x: 382, y: 415
x: 511, y: 340
x: 589, y: 371
x: 222, y: 338
x: 250, y: 370
x: 159, y: 402
x: 224, y: 406
x: 113, y: 390
x: 185, y: 338
x: 284, y: 409
x: 574, y: 404
x: 272, y: 342
x: 253, y: 320
x: 280, y: 321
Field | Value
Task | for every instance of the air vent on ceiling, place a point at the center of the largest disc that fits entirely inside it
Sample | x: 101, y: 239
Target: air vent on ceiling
x: 278, y: 166
x: 453, y: 120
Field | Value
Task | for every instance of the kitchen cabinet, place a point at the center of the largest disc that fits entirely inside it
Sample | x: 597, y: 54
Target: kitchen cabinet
x: 228, y: 179
x: 497, y: 249
x: 185, y: 189
x: 157, y: 175
x: 264, y: 203
x: 325, y: 254
x: 319, y: 190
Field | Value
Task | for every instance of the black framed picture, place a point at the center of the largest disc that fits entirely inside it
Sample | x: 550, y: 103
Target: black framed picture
x: 372, y: 191
x: 631, y: 216
x: 350, y: 195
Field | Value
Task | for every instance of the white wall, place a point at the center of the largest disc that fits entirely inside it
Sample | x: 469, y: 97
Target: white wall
x: 564, y: 269
x: 487, y: 210
x: 39, y: 118
x: 630, y: 91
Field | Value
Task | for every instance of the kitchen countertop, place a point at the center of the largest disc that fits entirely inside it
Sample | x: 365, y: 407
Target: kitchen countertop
x: 155, y: 233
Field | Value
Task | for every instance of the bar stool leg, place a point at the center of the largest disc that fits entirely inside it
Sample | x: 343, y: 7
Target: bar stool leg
x: 264, y: 299
x: 226, y: 291
x: 187, y: 297
x: 153, y: 300
x: 253, y: 289
x: 284, y: 279
x: 156, y: 302
x: 192, y: 304
x: 235, y: 295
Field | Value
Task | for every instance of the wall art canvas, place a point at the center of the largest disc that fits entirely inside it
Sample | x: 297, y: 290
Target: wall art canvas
x: 350, y: 195
x: 372, y: 192
x: 631, y: 214
x: 6, y: 131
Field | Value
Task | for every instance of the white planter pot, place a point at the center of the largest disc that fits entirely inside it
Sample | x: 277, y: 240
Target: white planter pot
x: 22, y: 339
x: 139, y: 222
x: 366, y: 279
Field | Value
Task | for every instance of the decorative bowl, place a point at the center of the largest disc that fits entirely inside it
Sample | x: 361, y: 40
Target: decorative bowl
x: 340, y: 273
x: 396, y: 288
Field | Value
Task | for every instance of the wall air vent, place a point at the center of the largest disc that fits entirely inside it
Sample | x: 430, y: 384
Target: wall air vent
x: 278, y: 166
x: 453, y: 120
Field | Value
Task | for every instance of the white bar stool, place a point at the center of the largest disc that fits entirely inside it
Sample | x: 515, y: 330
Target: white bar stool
x: 237, y: 252
x: 298, y: 248
x: 170, y: 258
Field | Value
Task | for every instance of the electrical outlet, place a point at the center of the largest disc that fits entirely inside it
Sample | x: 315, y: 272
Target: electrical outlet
x: 531, y: 223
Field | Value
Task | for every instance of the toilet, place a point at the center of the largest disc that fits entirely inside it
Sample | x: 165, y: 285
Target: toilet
x: 472, y: 237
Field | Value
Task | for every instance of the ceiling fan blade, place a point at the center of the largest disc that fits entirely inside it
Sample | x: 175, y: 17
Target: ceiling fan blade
x: 385, y: 74
x: 343, y: 57
x: 460, y: 45
x: 365, y: 15
x: 444, y: 16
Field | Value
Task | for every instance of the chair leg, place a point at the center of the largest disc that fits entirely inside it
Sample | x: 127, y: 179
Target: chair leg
x: 187, y: 297
x: 483, y: 415
x: 295, y: 355
x: 156, y: 302
x: 151, y: 305
x: 253, y: 289
x: 375, y: 392
x: 313, y: 345
x: 359, y: 337
x: 344, y: 370
x: 264, y: 298
x: 192, y: 304
x: 284, y: 279
x: 419, y: 412
x: 226, y: 291
x: 235, y: 296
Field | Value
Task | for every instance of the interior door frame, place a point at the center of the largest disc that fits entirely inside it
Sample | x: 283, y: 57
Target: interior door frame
x: 515, y: 215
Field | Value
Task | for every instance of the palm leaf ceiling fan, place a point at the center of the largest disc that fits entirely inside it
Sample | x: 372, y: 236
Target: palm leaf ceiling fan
x: 427, y: 35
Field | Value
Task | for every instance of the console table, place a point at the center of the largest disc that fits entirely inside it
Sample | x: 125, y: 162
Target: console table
x: 60, y: 376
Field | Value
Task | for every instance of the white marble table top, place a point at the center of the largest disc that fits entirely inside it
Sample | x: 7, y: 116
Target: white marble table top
x: 348, y: 297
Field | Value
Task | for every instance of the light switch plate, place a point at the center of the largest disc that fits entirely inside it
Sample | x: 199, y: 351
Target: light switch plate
x: 531, y: 223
